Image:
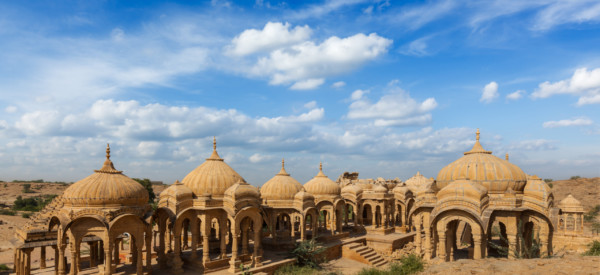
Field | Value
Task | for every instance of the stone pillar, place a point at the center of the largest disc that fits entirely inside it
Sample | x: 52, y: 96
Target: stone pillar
x: 223, y: 234
x: 162, y: 259
x: 61, y: 259
x: 169, y: 239
x: 417, y: 223
x: 139, y: 256
x: 257, y: 243
x: 302, y: 228
x: 42, y: 257
x: 74, y: 260
x: 234, y: 263
x: 101, y: 251
x: 177, y: 262
x: 56, y: 257
x: 442, y: 246
x: 477, y: 247
x: 544, y: 249
x: 27, y: 260
x: 18, y: 268
x: 108, y: 258
x: 133, y: 250
x: 92, y: 254
x: 374, y: 217
x: 205, y: 249
x: 194, y: 238
x: 148, y: 253
x: 427, y: 242
x: 116, y: 253
x: 185, y: 236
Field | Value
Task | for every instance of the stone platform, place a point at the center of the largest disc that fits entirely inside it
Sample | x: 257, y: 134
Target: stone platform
x: 386, y: 244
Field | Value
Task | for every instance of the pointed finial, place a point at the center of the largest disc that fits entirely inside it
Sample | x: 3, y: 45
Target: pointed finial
x: 214, y: 143
x: 282, y: 163
x: 477, y: 135
x: 321, y: 166
x: 107, y: 151
x: 506, y: 156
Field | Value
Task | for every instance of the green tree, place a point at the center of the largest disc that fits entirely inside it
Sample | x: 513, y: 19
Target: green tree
x: 148, y: 185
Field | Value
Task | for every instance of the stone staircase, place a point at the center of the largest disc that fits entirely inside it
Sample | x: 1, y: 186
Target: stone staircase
x: 41, y: 219
x: 364, y: 254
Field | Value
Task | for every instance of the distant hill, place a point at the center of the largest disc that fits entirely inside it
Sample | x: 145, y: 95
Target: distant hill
x: 586, y: 190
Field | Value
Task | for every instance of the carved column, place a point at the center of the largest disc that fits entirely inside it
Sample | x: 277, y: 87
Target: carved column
x: 442, y: 245
x: 512, y: 246
x: 417, y: 223
x: 108, y: 258
x: 139, y: 256
x: 477, y: 247
x: 257, y: 246
x: 61, y: 259
x: 177, y: 262
x: 116, y: 252
x: 162, y: 259
x: 234, y: 263
x: 544, y: 251
x: 148, y: 252
x: 427, y: 242
x: 194, y: 230
x: 302, y: 228
x: 74, y: 260
x: 223, y: 234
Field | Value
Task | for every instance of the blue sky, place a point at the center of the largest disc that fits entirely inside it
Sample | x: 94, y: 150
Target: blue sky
x: 385, y: 88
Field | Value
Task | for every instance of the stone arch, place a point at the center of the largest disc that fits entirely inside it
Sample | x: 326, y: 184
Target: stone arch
x: 445, y: 224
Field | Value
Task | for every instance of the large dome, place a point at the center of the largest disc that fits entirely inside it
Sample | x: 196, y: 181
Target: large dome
x: 213, y: 176
x: 281, y: 187
x: 480, y: 166
x: 106, y: 187
x: 322, y: 185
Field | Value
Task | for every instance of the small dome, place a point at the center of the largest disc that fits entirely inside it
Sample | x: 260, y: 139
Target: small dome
x: 352, y: 189
x: 462, y: 188
x: 213, y: 176
x: 570, y: 204
x: 417, y: 181
x: 536, y: 188
x: 322, y: 185
x: 242, y: 190
x: 400, y: 189
x: 106, y: 186
x: 480, y: 166
x: 380, y: 189
x: 303, y: 195
x: 281, y: 187
x: 178, y: 191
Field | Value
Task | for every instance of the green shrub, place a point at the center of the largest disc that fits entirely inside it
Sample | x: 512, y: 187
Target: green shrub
x: 594, y: 249
x: 32, y: 204
x: 592, y: 214
x: 7, y: 212
x: 148, y: 185
x: 309, y: 253
x: 410, y: 264
x: 26, y: 215
x: 27, y: 188
x: 548, y: 180
x: 575, y: 177
x: 4, y: 267
x: 372, y: 271
x: 296, y: 270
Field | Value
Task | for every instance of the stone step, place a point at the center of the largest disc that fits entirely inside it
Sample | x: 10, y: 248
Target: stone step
x: 361, y: 249
x: 354, y: 245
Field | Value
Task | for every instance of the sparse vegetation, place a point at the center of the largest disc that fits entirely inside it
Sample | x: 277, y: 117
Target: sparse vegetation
x: 33, y: 204
x: 575, y: 177
x: 594, y: 249
x: 592, y: 214
x: 27, y: 188
x: 26, y: 215
x: 309, y: 253
x: 7, y: 212
x: 410, y: 264
x: 4, y: 267
x: 548, y: 180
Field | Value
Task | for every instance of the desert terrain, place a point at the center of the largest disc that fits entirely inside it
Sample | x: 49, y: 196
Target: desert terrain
x: 587, y: 190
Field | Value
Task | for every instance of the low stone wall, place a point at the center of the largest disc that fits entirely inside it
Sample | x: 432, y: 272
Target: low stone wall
x: 567, y: 243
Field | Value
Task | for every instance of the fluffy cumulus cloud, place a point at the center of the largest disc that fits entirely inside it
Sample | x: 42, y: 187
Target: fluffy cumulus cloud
x: 394, y: 108
x: 584, y: 83
x: 274, y: 35
x: 489, y: 92
x: 580, y: 121
x: 305, y: 63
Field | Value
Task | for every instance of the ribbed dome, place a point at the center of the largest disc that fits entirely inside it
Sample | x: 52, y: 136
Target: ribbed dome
x: 417, y: 181
x: 480, y: 166
x: 322, y: 185
x: 179, y: 191
x: 380, y: 189
x: 537, y: 188
x: 241, y: 189
x: 352, y: 189
x: 281, y: 187
x: 106, y: 186
x: 213, y: 176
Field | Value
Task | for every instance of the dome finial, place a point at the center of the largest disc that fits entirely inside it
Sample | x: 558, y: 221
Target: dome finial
x: 506, y: 156
x: 214, y: 143
x: 282, y: 171
x: 108, y: 166
x: 107, y: 151
x: 282, y: 163
x: 320, y: 166
x: 215, y: 155
x: 477, y: 135
x: 477, y: 147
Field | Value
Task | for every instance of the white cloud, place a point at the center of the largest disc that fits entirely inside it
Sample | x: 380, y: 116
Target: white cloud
x: 338, y: 84
x: 516, y: 95
x: 581, y: 121
x: 563, y: 12
x: 395, y: 108
x: 417, y: 47
x: 310, y: 105
x: 259, y: 158
x: 532, y: 145
x: 274, y: 35
x: 416, y: 17
x: 583, y: 83
x: 489, y: 93
x: 308, y: 84
x: 358, y: 94
x: 308, y: 60
x: 11, y: 109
